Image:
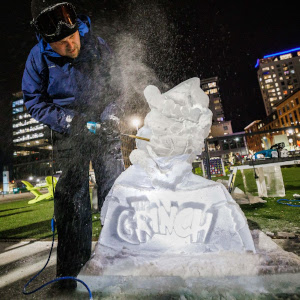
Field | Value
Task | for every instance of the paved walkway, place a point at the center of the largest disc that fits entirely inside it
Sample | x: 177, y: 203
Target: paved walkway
x: 17, y: 197
x: 20, y: 261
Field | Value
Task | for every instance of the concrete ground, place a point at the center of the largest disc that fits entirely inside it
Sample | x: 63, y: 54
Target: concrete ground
x: 20, y: 261
x: 17, y: 197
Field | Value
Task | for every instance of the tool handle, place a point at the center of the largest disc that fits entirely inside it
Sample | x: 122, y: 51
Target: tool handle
x: 136, y: 137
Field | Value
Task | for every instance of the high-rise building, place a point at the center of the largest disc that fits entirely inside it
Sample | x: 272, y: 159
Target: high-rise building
x: 278, y: 76
x: 31, y: 151
x: 211, y: 87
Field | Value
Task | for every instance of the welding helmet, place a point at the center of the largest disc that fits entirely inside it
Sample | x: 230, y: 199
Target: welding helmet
x: 53, y: 20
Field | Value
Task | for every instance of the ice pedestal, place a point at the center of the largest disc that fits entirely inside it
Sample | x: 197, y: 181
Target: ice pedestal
x: 268, y: 184
x: 270, y: 178
x: 195, y: 230
x: 198, y: 217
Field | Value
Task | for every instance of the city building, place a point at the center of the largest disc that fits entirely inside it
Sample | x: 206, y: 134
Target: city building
x: 283, y: 125
x: 278, y: 76
x: 224, y: 146
x: 31, y: 150
x: 211, y: 87
x: 220, y: 129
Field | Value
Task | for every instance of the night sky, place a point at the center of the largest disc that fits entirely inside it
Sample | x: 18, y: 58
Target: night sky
x: 181, y: 39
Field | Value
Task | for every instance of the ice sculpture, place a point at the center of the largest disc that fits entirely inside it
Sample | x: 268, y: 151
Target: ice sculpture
x: 159, y: 219
x: 166, y: 228
x: 158, y: 204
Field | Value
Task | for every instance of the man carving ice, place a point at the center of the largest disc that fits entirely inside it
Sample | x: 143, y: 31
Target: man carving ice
x: 65, y: 85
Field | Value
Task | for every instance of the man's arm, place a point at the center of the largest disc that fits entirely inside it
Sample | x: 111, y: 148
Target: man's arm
x: 36, y: 99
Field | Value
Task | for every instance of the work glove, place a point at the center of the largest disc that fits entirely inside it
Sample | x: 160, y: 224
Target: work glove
x: 93, y: 127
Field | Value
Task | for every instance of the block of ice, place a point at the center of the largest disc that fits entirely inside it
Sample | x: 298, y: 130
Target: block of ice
x: 158, y: 206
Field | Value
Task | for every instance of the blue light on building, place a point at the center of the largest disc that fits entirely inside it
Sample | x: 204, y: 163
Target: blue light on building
x: 283, y: 52
x: 278, y: 53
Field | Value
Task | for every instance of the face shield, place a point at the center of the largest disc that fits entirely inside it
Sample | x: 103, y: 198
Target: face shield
x: 56, y: 22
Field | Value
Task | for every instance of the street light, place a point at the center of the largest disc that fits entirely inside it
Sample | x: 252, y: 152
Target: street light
x: 136, y: 122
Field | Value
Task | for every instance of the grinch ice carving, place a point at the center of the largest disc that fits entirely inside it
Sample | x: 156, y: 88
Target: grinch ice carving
x: 158, y: 198
x: 177, y: 125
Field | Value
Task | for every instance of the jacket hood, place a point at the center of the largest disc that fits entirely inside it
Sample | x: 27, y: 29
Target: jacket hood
x: 84, y: 26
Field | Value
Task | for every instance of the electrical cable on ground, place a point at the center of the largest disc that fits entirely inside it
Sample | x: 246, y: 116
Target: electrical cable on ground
x: 289, y: 204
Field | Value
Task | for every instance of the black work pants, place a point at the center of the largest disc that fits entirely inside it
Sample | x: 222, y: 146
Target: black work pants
x: 72, y: 205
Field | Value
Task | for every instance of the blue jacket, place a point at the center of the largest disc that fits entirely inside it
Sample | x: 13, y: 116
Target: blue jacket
x: 55, y: 88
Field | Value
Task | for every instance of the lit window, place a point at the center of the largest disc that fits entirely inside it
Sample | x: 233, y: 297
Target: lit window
x: 212, y: 84
x: 276, y: 84
x: 290, y: 87
x: 17, y: 110
x: 265, y: 68
x: 213, y: 91
x: 280, y: 97
x: 269, y: 80
x: 285, y: 92
x: 18, y: 103
x: 285, y: 56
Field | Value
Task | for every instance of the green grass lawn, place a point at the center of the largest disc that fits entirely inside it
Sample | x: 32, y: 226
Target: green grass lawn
x: 272, y: 216
x: 19, y: 220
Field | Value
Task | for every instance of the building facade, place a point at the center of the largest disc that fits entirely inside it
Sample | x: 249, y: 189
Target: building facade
x: 283, y: 125
x: 278, y: 76
x: 220, y: 129
x: 211, y: 87
x: 31, y: 150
